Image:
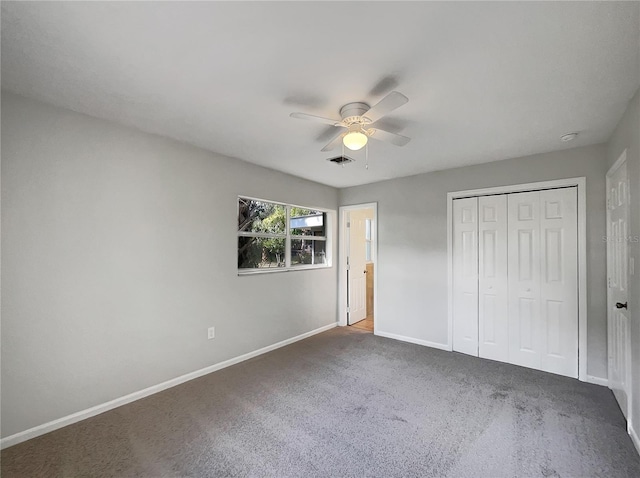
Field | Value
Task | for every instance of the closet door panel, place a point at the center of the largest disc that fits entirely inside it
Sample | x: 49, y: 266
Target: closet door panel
x: 525, y: 339
x: 559, y: 281
x: 492, y: 283
x: 465, y: 275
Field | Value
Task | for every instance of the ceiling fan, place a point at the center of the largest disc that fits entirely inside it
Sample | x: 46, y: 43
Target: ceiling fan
x: 357, y: 119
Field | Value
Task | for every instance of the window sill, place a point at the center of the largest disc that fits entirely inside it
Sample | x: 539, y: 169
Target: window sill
x: 275, y: 270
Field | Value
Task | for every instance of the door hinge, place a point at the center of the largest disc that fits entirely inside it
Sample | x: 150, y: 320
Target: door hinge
x: 609, y: 282
x: 348, y: 309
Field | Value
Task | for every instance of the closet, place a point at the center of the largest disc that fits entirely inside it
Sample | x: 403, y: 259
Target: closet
x: 515, y: 278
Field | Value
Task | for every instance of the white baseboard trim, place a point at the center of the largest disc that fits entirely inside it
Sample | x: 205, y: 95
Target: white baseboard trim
x: 402, y: 338
x: 597, y: 380
x: 118, y: 402
x: 634, y: 437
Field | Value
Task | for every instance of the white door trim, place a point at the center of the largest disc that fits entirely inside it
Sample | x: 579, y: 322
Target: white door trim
x: 619, y: 162
x: 580, y: 182
x: 342, y: 262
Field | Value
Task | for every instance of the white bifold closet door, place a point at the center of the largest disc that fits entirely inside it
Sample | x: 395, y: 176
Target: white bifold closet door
x: 465, y: 264
x: 493, y: 330
x: 516, y: 256
x: 543, y: 280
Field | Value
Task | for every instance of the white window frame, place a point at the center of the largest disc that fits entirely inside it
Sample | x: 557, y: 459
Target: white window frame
x: 288, y: 237
x: 368, y: 230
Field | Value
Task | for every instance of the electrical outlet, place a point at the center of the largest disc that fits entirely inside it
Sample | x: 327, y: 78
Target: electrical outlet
x: 211, y: 333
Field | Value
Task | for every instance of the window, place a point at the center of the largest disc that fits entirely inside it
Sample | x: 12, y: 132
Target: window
x: 275, y: 237
x: 368, y: 239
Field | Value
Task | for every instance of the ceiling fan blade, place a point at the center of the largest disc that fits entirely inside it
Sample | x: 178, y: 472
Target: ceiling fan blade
x: 333, y: 143
x: 386, y: 105
x: 393, y: 138
x: 318, y: 119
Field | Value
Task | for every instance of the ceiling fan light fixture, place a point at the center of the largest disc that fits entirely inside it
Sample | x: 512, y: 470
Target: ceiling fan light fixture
x: 357, y: 118
x: 355, y: 140
x: 568, y: 137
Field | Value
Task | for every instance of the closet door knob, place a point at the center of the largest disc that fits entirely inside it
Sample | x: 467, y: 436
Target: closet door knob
x: 620, y: 305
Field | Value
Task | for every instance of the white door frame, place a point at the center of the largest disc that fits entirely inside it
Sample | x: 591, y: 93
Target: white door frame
x: 619, y: 162
x: 342, y: 262
x: 582, y: 256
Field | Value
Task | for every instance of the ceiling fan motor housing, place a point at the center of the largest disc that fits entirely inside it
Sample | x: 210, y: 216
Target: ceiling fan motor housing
x: 351, y: 113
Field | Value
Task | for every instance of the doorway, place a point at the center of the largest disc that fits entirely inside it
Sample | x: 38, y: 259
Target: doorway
x: 358, y: 237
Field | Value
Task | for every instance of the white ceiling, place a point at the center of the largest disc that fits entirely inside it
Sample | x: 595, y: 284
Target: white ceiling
x: 485, y: 81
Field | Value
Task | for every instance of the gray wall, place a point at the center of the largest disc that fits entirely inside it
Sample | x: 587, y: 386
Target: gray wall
x: 118, y: 251
x: 412, y: 240
x: 627, y: 136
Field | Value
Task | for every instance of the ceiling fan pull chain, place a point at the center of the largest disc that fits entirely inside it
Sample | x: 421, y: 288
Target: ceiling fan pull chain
x: 366, y: 156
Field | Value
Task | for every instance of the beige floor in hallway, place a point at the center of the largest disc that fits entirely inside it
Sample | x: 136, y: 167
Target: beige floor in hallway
x: 366, y: 324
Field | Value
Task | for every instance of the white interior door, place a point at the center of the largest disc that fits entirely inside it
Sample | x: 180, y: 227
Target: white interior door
x: 617, y: 257
x: 559, y: 281
x: 357, y: 265
x: 524, y: 279
x: 465, y: 275
x: 492, y: 285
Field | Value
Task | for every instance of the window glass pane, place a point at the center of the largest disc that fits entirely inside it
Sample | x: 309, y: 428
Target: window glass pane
x: 368, y: 251
x: 307, y: 222
x: 260, y: 216
x: 367, y: 229
x: 308, y: 252
x: 260, y: 252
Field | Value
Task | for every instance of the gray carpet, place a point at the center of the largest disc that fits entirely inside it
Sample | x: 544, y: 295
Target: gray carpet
x: 346, y: 403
